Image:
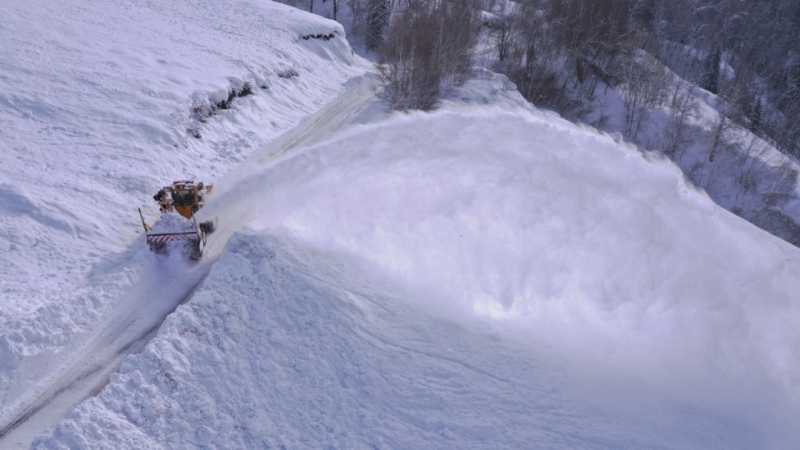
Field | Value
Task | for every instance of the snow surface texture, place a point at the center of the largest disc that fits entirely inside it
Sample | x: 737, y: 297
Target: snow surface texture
x: 172, y: 222
x: 100, y: 105
x: 473, y: 278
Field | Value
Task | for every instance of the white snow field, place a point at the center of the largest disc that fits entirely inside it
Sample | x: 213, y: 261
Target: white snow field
x: 486, y: 276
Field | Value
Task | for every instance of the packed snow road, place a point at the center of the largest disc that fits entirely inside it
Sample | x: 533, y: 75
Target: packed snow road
x: 60, y: 381
x: 48, y: 385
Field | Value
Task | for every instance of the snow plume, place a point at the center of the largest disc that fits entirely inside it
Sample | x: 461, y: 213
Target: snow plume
x: 561, y: 234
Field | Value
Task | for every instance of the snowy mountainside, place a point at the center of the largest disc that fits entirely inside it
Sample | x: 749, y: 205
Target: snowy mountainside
x: 479, y: 277
x: 740, y: 171
x: 101, y: 104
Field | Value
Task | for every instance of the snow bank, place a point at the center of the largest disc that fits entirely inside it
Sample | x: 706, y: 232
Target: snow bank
x: 564, y: 235
x: 101, y: 103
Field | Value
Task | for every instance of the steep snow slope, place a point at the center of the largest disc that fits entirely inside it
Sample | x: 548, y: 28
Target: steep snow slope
x: 101, y: 103
x: 97, y: 98
x: 473, y: 278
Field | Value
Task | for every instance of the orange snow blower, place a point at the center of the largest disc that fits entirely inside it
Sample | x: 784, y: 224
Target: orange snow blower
x: 178, y: 204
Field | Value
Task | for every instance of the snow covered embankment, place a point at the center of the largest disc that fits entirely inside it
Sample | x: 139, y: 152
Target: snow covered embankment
x: 482, y: 278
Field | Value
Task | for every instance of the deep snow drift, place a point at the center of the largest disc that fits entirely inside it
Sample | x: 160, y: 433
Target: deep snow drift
x: 473, y: 278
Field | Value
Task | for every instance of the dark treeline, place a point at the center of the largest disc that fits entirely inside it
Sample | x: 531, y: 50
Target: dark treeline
x: 558, y: 51
x: 428, y: 48
x: 748, y: 53
x: 424, y: 47
x: 564, y: 55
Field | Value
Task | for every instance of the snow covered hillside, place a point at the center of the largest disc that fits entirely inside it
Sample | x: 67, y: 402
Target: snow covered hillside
x: 101, y: 104
x: 486, y: 276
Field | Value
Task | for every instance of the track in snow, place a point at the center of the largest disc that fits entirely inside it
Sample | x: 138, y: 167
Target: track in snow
x: 67, y: 379
x: 58, y: 382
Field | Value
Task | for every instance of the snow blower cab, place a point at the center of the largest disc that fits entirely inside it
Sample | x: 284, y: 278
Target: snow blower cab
x: 177, y: 226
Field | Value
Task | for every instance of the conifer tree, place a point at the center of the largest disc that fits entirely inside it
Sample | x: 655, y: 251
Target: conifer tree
x: 755, y: 116
x: 711, y: 82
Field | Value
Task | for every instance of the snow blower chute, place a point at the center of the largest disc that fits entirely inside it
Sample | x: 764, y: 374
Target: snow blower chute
x: 177, y: 224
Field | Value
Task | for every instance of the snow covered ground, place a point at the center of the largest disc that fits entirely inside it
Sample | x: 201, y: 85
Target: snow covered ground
x: 101, y: 104
x: 486, y: 276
